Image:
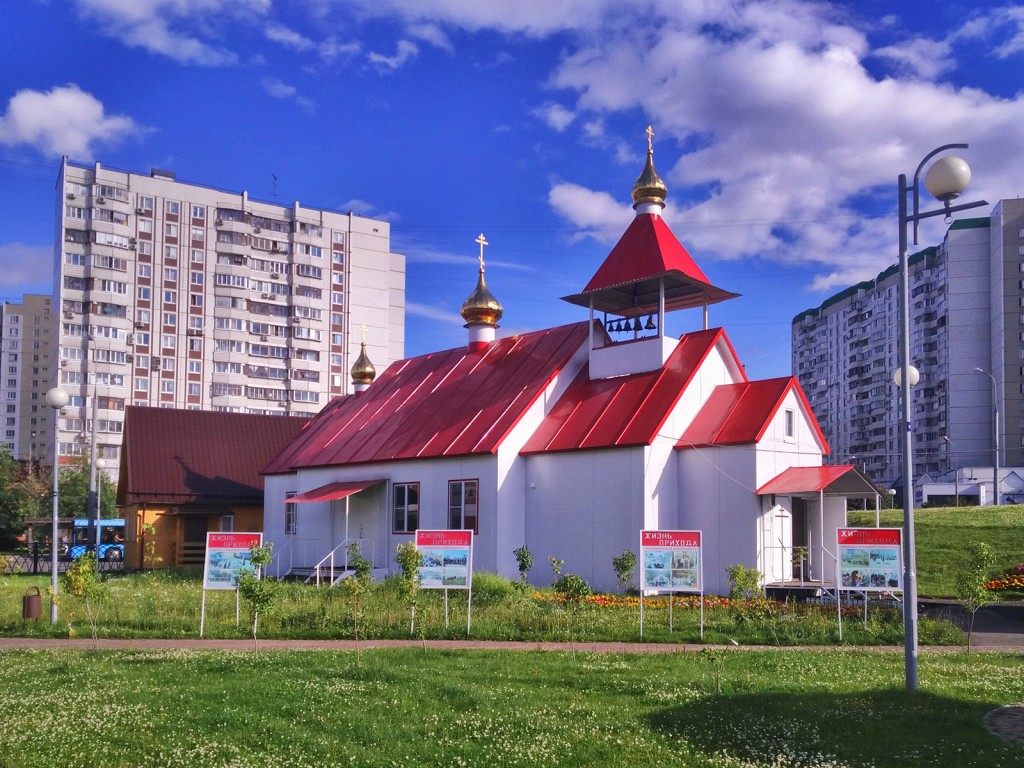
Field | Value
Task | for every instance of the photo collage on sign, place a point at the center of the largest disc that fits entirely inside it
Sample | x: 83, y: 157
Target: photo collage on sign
x: 672, y: 568
x: 869, y: 567
x: 445, y: 567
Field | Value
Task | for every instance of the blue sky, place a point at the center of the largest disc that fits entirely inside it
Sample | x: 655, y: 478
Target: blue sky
x: 780, y: 128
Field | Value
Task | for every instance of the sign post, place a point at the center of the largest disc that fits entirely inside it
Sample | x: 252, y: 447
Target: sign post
x: 671, y: 562
x: 447, y: 564
x: 227, y: 556
x: 867, y: 560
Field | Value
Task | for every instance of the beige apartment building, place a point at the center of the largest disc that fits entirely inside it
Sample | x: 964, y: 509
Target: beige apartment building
x: 177, y: 295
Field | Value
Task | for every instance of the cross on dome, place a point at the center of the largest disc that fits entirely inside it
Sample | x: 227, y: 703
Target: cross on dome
x: 480, y: 239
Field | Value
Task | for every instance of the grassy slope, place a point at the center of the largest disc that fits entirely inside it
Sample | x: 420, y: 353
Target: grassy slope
x: 943, y: 534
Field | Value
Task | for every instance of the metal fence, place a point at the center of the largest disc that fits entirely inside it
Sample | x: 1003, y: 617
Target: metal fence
x: 36, y: 558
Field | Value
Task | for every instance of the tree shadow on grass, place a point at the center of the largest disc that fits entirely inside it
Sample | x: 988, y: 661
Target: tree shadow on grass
x: 882, y: 729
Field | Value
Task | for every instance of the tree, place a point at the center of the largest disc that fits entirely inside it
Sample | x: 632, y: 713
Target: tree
x: 22, y: 495
x: 971, y: 580
x: 257, y: 591
x: 409, y: 560
x: 74, y: 490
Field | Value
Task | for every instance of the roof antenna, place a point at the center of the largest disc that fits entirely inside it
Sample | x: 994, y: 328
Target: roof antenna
x: 274, y: 192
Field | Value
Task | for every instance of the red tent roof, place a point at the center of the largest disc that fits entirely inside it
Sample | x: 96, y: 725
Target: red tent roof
x: 453, y: 403
x: 332, y: 491
x: 626, y: 410
x: 739, y: 414
x: 647, y: 255
x: 841, y: 479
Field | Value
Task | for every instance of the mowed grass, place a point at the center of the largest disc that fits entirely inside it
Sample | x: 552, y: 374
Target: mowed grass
x: 413, y: 707
x: 944, y: 535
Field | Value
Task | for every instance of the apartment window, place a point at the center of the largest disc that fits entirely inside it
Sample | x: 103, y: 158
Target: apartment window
x: 146, y: 225
x: 172, y: 207
x: 195, y: 366
x: 291, y: 515
x: 170, y: 297
x: 790, y: 425
x: 194, y: 389
x: 406, y: 507
x: 167, y: 387
x: 170, y: 230
x: 144, y: 293
x: 171, y: 252
x: 198, y: 255
x: 170, y: 273
x: 145, y: 203
x: 198, y: 212
x: 198, y: 233
x: 463, y: 505
x: 141, y: 384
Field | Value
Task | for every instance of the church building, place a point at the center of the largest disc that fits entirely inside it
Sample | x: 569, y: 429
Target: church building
x: 572, y: 440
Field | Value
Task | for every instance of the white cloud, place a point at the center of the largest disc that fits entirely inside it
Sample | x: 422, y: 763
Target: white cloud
x: 926, y: 59
x: 405, y: 50
x: 430, y: 312
x: 289, y: 38
x: 432, y: 34
x: 556, y: 116
x: 26, y: 268
x: 172, y: 28
x: 594, y: 214
x: 281, y: 90
x: 369, y: 210
x: 63, y: 121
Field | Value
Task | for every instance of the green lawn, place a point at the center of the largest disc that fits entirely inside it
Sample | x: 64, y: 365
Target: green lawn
x: 943, y: 535
x: 777, y: 709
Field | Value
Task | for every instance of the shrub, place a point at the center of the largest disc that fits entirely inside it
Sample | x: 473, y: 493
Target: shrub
x: 572, y: 588
x: 491, y: 589
x: 625, y: 569
x: 524, y: 558
x: 744, y: 583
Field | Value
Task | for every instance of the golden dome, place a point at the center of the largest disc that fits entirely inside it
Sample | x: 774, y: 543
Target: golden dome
x: 363, y: 371
x: 481, y: 307
x: 649, y: 187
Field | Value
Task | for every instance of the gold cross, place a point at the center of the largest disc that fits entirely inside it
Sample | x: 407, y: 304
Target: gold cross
x: 362, y: 332
x: 650, y: 137
x: 482, y: 242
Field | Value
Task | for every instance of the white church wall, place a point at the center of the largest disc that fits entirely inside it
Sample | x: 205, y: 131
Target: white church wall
x: 584, y: 507
x: 716, y: 493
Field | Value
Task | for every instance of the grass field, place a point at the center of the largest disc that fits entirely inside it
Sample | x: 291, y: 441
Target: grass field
x: 725, y: 709
x: 167, y: 604
x: 943, y: 535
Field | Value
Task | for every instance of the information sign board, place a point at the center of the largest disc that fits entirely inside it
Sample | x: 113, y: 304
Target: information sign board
x: 670, y: 561
x: 227, y: 555
x: 447, y: 559
x: 869, y: 559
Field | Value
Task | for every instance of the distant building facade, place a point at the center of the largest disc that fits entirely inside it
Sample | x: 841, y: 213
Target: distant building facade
x: 967, y: 313
x: 176, y: 295
x: 26, y: 335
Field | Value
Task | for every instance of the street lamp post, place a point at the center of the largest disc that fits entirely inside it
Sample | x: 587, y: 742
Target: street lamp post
x: 56, y: 398
x: 995, y: 436
x: 945, y: 180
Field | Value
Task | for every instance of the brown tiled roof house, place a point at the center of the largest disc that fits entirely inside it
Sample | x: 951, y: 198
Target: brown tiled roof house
x: 185, y: 472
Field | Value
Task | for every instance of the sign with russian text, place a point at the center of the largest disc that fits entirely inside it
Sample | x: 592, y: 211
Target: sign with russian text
x: 670, y: 561
x: 447, y: 559
x: 227, y: 555
x: 869, y: 559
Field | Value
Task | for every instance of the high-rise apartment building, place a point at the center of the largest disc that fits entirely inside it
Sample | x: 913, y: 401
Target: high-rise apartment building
x: 177, y: 295
x: 26, y: 331
x: 966, y: 313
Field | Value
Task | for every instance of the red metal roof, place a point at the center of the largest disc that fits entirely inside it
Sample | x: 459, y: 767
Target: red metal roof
x: 453, y: 403
x: 333, y: 491
x: 647, y: 256
x: 739, y: 414
x: 844, y: 478
x: 172, y: 456
x: 626, y: 410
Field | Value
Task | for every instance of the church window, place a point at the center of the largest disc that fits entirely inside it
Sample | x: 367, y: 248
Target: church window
x: 406, y: 507
x: 463, y: 505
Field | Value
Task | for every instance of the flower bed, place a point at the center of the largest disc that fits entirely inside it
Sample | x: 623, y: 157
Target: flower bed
x: 1012, y: 579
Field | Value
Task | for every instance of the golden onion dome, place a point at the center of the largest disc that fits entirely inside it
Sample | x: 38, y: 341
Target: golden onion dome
x: 481, y: 307
x: 363, y: 371
x: 649, y: 187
